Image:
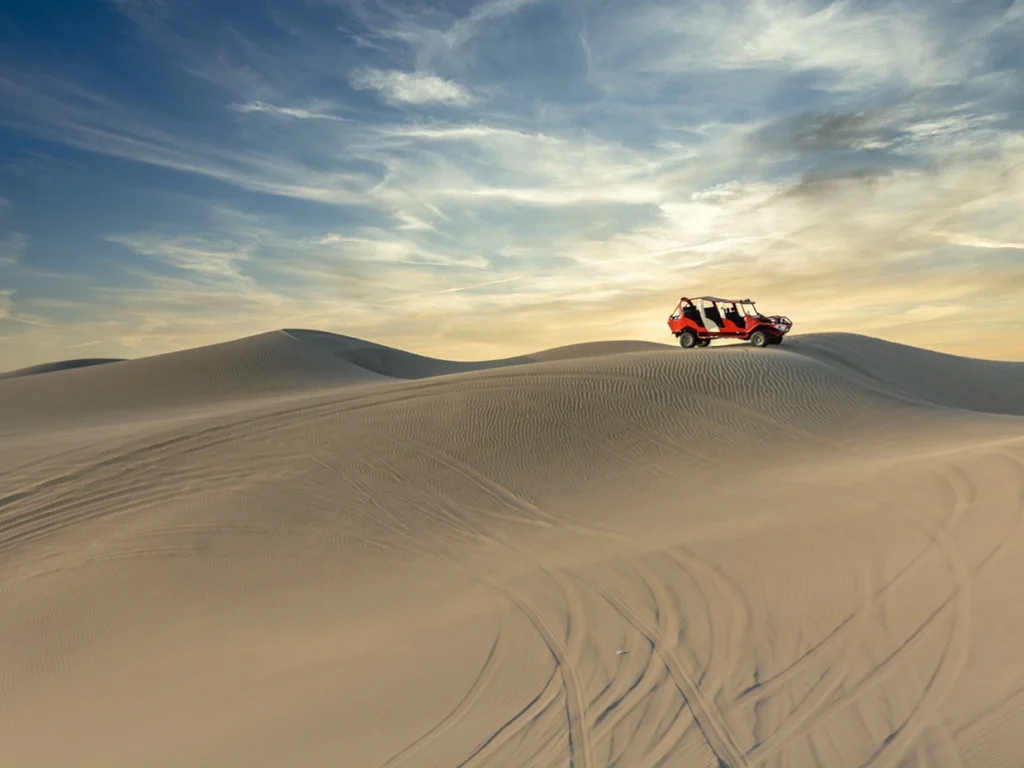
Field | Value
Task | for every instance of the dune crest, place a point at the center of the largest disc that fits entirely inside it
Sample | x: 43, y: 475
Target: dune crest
x: 992, y: 386
x: 62, y: 365
x: 305, y: 548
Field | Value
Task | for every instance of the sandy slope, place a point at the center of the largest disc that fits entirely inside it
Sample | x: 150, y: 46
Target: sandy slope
x: 279, y: 363
x: 305, y: 549
x: 63, y: 365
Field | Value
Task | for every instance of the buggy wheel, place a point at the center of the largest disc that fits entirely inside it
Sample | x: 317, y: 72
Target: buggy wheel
x: 687, y: 339
x: 703, y: 342
x: 777, y: 340
x: 759, y: 339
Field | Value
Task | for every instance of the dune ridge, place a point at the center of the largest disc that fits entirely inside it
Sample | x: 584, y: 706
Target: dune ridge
x: 276, y: 363
x: 616, y: 553
x: 298, y: 361
x: 61, y: 365
x: 992, y: 386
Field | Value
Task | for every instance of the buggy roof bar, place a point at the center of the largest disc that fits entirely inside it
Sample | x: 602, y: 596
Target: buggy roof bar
x: 718, y: 299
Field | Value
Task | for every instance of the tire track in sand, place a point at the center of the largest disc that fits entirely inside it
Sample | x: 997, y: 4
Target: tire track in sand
x: 847, y: 635
x: 580, y: 738
x: 963, y: 493
x: 626, y: 700
x: 532, y: 713
x: 528, y: 716
x: 955, y: 655
x: 484, y: 676
x: 953, y: 660
x: 709, y: 720
x: 581, y: 749
x: 838, y: 636
x: 581, y: 743
x: 667, y: 622
x: 733, y: 621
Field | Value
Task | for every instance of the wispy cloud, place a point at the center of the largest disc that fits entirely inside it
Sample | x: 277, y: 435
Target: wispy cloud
x: 411, y: 87
x: 9, y: 313
x: 856, y: 165
x: 407, y: 221
x: 438, y: 33
x: 187, y: 253
x: 482, y: 285
x: 847, y: 46
x: 490, y: 10
x: 143, y: 10
x: 12, y: 247
x: 296, y: 112
x: 60, y: 111
x: 974, y: 241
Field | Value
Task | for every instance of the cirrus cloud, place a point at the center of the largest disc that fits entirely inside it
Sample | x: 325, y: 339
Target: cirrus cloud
x: 484, y: 164
x: 411, y: 87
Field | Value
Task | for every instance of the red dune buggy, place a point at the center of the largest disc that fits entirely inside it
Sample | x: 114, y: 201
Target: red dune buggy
x: 695, y: 322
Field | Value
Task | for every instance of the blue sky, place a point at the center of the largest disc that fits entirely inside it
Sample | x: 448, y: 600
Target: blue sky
x: 474, y: 179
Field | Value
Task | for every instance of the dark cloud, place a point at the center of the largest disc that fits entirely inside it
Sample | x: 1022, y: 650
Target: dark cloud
x: 809, y: 132
x: 821, y: 182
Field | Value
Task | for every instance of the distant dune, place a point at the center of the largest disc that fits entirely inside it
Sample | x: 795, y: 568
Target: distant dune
x: 300, y: 548
x: 63, y: 365
x: 268, y: 364
x: 951, y: 380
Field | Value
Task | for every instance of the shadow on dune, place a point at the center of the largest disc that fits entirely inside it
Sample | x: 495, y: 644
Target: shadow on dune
x: 388, y: 361
x: 987, y: 386
x: 60, y: 365
x: 399, y: 364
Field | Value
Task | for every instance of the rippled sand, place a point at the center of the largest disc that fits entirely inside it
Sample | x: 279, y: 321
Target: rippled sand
x: 304, y: 549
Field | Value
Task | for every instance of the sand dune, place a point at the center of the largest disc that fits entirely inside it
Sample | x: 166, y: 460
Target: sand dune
x: 957, y: 382
x: 306, y: 549
x: 272, y: 364
x: 62, y: 365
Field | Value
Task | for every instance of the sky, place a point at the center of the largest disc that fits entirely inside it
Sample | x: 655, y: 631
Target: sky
x: 481, y: 178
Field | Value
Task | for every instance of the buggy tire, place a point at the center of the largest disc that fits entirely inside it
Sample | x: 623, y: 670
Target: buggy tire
x: 776, y: 341
x: 687, y: 340
x: 703, y: 342
x: 759, y: 339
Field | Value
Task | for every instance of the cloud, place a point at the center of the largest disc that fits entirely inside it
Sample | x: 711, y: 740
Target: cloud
x: 859, y: 46
x: 482, y: 285
x: 974, y: 241
x: 57, y: 110
x: 809, y: 132
x: 408, y: 221
x: 437, y: 34
x: 187, y: 253
x: 828, y: 263
x: 490, y: 10
x: 852, y: 165
x: 12, y: 247
x: 451, y: 165
x: 296, y: 112
x: 754, y: 55
x: 9, y: 313
x: 410, y: 87
x: 143, y: 10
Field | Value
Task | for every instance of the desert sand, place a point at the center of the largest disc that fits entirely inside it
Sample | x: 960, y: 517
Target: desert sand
x: 305, y: 549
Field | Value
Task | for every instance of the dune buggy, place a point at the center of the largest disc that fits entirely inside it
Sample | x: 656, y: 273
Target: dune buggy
x: 695, y: 322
